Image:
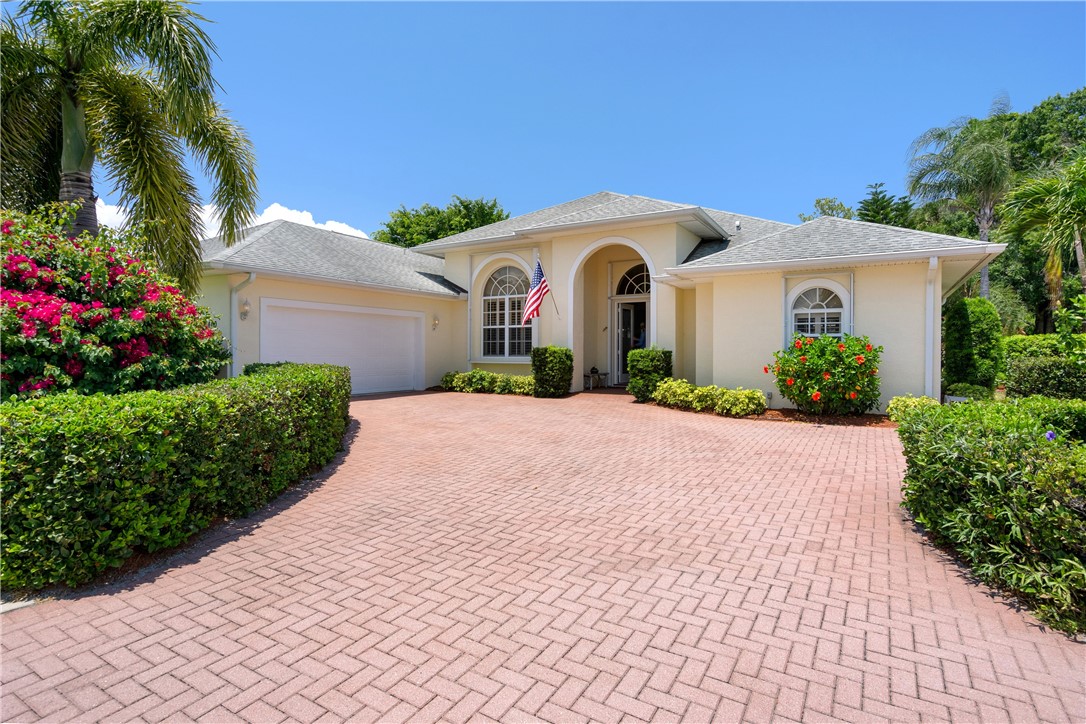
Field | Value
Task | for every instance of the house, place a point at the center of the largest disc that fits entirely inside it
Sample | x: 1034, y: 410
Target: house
x: 723, y: 291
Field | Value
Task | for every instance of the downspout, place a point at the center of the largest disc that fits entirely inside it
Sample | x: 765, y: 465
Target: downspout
x: 929, y: 329
x: 235, y: 322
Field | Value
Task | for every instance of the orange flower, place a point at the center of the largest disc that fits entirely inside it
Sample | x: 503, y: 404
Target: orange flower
x: 841, y: 347
x: 803, y: 358
x: 859, y: 359
x: 825, y: 375
x: 790, y: 381
x: 809, y: 341
x: 799, y: 343
x: 816, y: 396
x: 868, y: 348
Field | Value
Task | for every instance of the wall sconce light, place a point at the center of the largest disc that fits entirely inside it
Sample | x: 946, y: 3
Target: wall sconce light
x: 244, y: 309
x: 436, y: 322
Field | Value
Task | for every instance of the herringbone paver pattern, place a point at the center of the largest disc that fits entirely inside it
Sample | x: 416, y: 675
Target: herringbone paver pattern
x: 480, y: 557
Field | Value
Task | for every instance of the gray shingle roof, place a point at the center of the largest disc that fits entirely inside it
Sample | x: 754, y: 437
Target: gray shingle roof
x: 289, y: 248
x: 604, y: 206
x: 829, y: 237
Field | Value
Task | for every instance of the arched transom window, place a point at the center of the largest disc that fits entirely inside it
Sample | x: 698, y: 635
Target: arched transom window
x: 635, y: 281
x: 816, y: 312
x: 503, y: 306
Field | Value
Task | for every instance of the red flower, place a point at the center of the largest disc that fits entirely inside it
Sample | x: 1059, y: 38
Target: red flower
x: 808, y: 341
x: 859, y: 359
x: 868, y: 348
x: 790, y: 381
x: 766, y: 369
x: 852, y: 395
x: 841, y: 347
x: 816, y: 396
x: 6, y: 226
x: 73, y: 367
x: 803, y: 358
x: 799, y: 343
x: 825, y: 375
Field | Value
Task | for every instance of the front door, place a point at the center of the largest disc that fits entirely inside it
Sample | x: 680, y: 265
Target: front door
x: 632, y: 333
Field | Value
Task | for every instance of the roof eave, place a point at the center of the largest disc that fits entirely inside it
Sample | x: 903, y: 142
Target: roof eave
x: 294, y: 276
x: 980, y: 250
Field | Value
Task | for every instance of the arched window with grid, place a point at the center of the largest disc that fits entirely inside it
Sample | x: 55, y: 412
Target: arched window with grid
x: 503, y: 306
x: 818, y: 311
x: 635, y: 281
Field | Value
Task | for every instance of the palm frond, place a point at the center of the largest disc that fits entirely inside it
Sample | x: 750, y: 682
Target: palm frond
x: 226, y: 154
x: 167, y: 37
x: 146, y: 162
x: 30, y: 122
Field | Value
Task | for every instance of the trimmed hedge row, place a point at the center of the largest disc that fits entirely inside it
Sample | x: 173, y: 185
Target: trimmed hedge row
x: 486, y: 381
x: 1050, y: 376
x: 1033, y: 345
x: 1004, y: 484
x: 683, y: 395
x: 86, y: 481
x: 552, y: 371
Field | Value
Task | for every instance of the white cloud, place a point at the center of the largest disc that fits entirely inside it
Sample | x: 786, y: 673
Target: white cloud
x: 114, y: 216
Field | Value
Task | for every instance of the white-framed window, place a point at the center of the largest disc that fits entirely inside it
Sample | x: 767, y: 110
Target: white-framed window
x: 635, y: 281
x: 503, y: 306
x: 818, y: 307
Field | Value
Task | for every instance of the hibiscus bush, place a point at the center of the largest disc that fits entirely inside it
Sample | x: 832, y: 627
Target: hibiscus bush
x: 87, y: 314
x: 828, y: 375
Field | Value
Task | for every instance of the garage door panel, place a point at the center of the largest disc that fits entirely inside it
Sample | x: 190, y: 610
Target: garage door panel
x: 382, y: 350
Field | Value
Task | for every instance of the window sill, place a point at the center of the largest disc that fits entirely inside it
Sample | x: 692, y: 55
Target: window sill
x: 501, y: 361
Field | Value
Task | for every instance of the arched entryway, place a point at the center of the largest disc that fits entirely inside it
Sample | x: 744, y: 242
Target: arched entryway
x: 612, y: 295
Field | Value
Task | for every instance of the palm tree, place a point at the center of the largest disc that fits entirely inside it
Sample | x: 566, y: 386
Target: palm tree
x: 1057, y: 206
x: 127, y: 85
x: 968, y: 161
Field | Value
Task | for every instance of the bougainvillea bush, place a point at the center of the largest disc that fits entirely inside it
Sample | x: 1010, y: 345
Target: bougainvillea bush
x: 828, y: 375
x: 87, y: 314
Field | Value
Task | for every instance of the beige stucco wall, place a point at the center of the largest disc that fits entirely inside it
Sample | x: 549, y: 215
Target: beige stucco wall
x: 443, y: 347
x: 748, y: 324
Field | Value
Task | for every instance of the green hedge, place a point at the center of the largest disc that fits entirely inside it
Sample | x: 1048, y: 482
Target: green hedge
x: 1033, y: 345
x: 1004, y: 484
x: 973, y: 392
x: 86, y: 481
x: 1059, y: 377
x: 683, y: 395
x: 647, y: 368
x: 486, y: 381
x: 972, y: 342
x: 903, y: 405
x: 552, y: 370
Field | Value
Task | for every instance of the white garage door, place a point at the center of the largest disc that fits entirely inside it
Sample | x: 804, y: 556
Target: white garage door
x: 383, y: 348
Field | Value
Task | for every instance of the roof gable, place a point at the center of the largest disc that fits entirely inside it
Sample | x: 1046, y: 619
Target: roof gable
x: 295, y: 249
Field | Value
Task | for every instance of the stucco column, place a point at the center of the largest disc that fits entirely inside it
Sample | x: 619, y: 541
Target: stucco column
x: 703, y: 369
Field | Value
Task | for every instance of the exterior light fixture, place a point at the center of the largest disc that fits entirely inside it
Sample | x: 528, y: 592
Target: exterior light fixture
x: 437, y: 321
x: 245, y: 309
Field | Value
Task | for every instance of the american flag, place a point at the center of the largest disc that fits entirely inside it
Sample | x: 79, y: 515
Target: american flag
x: 536, y: 292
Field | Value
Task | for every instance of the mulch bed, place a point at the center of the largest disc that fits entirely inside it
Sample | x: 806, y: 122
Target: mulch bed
x: 797, y: 416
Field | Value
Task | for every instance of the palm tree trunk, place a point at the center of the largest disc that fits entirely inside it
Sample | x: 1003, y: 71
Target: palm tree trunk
x: 984, y: 222
x: 78, y: 186
x: 76, y: 164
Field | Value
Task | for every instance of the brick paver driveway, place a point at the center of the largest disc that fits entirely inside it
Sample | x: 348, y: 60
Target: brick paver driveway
x: 479, y: 557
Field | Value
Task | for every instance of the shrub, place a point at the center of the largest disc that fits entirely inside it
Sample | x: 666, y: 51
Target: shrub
x: 683, y: 395
x: 552, y: 371
x: 827, y: 375
x: 973, y: 392
x: 485, y: 381
x: 1004, y: 484
x: 1033, y: 345
x: 898, y: 407
x: 647, y: 368
x: 972, y: 342
x: 1050, y: 376
x: 86, y: 314
x: 88, y: 480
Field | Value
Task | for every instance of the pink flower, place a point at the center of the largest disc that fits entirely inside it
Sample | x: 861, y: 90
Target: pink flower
x: 6, y: 226
x: 73, y: 367
x: 137, y: 314
x: 30, y: 329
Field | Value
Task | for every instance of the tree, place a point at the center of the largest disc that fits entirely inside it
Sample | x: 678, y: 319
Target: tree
x: 880, y: 207
x: 127, y: 85
x: 411, y: 227
x: 968, y: 161
x: 1045, y: 136
x: 828, y: 206
x: 1056, y: 205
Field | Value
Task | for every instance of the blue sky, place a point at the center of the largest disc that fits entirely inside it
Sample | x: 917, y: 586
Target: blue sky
x: 757, y: 108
